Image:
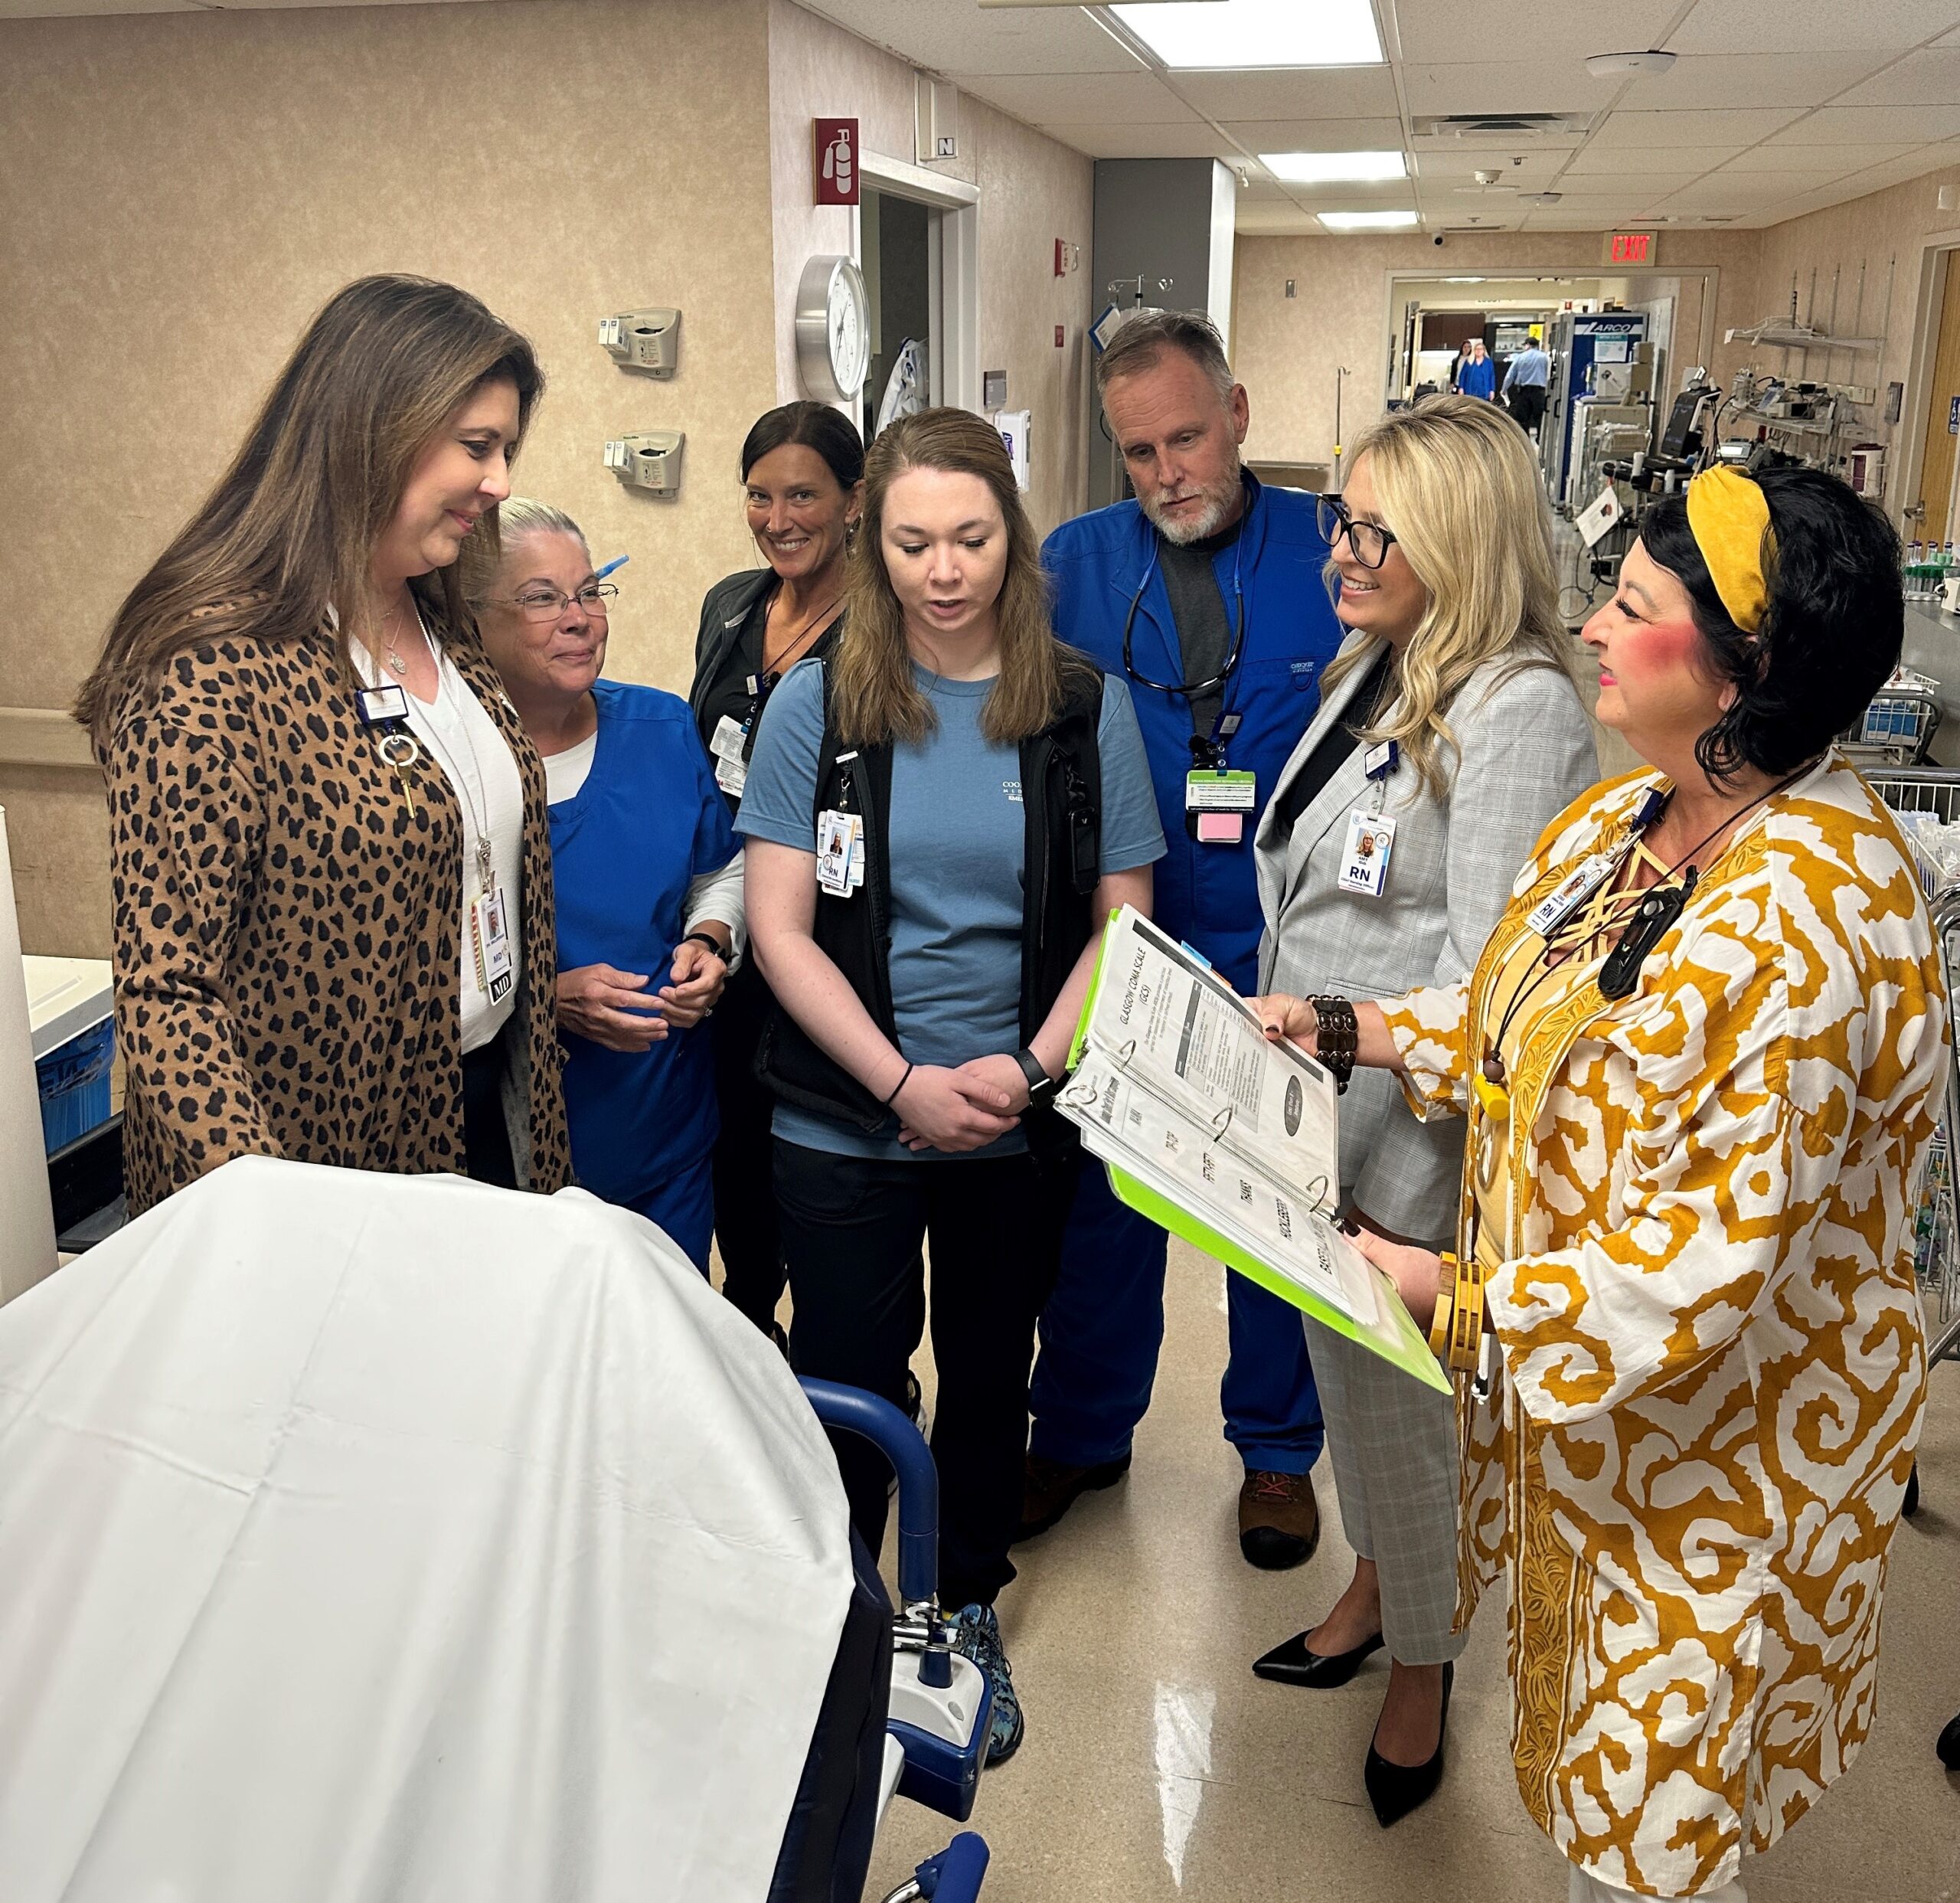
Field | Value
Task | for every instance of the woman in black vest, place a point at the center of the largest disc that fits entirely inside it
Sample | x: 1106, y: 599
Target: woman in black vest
x: 938, y: 820
x: 802, y: 480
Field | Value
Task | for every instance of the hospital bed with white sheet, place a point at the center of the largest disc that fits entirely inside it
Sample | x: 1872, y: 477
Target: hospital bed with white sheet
x: 373, y: 1539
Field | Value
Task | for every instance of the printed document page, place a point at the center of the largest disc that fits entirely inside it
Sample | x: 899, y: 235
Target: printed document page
x: 1164, y: 1018
x: 1125, y: 1124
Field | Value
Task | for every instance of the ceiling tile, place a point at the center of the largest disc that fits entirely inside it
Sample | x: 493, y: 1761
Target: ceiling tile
x: 1193, y: 139
x: 1321, y: 135
x: 1083, y: 99
x: 1767, y: 78
x: 1390, y: 194
x: 1741, y: 125
x: 1435, y: 34
x: 1275, y: 221
x: 1812, y: 26
x: 1929, y: 77
x: 956, y: 37
x: 1552, y: 84
x: 1353, y: 92
x: 1457, y: 167
x: 1794, y: 157
x: 1641, y: 184
x: 1605, y: 162
x: 1874, y: 125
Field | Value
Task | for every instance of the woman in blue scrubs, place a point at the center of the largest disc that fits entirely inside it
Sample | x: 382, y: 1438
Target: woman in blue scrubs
x: 648, y: 879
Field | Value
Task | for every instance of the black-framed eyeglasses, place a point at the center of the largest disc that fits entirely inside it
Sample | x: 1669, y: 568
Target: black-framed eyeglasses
x: 546, y: 604
x: 1369, y: 541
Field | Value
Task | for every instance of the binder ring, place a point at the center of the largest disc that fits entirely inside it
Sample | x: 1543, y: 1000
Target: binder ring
x: 1223, y: 1121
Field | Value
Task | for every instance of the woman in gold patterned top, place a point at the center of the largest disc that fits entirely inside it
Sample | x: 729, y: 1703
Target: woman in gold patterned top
x: 1698, y: 1058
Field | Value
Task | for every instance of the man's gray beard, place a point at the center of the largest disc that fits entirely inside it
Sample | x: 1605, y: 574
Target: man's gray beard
x: 1184, y: 533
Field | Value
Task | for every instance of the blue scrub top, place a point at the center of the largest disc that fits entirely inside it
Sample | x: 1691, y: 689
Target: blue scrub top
x: 1208, y: 895
x: 1477, y: 379
x: 648, y: 821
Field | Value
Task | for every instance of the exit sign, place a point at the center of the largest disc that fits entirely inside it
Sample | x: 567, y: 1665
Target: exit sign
x: 1631, y: 247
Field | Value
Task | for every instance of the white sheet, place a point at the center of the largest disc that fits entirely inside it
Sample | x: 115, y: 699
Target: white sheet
x: 368, y: 1538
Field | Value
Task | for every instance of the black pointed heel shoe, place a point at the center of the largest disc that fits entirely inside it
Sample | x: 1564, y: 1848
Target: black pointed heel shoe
x: 1293, y: 1664
x: 1395, y: 1789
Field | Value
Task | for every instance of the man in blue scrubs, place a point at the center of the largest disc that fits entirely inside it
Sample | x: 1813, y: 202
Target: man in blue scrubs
x: 1205, y: 594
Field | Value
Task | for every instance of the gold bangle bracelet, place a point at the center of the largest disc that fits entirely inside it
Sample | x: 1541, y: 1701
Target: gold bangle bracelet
x: 1446, y: 1308
x: 1466, y: 1334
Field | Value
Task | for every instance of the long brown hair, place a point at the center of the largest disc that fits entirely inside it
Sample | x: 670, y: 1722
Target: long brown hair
x: 292, y: 526
x: 875, y: 699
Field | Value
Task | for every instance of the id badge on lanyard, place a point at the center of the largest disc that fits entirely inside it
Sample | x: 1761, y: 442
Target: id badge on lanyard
x: 1370, y: 840
x: 840, y: 848
x: 490, y: 942
x: 1217, y: 800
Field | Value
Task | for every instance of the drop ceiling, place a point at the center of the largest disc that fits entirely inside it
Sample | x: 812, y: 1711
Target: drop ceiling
x: 1773, y: 108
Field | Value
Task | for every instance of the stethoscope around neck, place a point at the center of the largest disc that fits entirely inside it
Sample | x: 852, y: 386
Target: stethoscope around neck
x: 1191, y: 690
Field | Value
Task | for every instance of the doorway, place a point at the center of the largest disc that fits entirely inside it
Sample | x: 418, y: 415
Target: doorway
x: 918, y: 247
x: 901, y: 274
x: 1940, y: 430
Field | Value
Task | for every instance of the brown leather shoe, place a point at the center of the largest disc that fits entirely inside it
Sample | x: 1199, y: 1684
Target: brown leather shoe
x: 1278, y: 1520
x: 1049, y: 1488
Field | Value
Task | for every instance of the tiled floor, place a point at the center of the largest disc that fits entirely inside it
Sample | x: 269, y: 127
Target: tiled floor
x: 1156, y: 1767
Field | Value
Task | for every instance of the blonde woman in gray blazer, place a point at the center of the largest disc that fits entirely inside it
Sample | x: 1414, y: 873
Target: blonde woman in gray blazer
x: 1450, y: 712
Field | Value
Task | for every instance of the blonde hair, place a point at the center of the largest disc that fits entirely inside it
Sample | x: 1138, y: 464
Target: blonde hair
x: 1458, y: 487
x: 874, y: 698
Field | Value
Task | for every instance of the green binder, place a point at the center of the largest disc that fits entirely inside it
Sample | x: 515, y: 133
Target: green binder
x: 1188, y: 1087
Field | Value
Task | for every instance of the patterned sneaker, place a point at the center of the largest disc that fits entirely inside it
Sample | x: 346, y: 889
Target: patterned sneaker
x: 977, y: 1634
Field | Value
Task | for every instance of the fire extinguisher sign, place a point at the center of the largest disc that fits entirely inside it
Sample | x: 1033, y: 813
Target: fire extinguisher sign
x: 836, y: 166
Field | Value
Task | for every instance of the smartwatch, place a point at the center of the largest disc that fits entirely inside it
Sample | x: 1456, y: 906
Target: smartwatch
x: 1041, y: 1086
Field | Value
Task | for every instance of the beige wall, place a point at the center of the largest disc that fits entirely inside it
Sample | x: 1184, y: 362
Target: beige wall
x: 1286, y: 350
x: 1888, y: 236
x: 1032, y: 191
x: 185, y: 189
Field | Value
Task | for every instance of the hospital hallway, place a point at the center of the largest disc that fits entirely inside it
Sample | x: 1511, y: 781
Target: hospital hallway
x: 1158, y: 1769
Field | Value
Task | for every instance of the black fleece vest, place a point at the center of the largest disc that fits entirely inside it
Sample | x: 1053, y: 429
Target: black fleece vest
x: 1061, y: 781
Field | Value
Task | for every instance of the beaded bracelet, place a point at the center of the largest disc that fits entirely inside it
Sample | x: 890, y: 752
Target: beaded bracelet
x: 1338, y: 1040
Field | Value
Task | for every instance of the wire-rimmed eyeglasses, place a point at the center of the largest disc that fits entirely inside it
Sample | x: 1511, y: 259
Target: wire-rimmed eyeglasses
x: 1370, y: 541
x: 546, y: 604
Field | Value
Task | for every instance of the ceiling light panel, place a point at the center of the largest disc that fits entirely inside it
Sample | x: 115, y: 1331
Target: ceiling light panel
x: 1250, y: 34
x: 1369, y: 220
x: 1327, y: 168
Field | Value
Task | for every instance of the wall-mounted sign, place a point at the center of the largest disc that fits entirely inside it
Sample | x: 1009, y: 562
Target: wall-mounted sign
x: 1632, y: 248
x: 836, y: 167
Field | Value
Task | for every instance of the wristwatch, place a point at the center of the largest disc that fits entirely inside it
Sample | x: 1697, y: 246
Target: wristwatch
x: 1041, y: 1086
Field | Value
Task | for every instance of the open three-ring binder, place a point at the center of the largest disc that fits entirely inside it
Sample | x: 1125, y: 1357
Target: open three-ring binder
x: 1224, y: 1138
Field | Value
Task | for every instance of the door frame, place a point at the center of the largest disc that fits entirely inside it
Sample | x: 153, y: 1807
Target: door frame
x: 1939, y: 254
x: 953, y: 263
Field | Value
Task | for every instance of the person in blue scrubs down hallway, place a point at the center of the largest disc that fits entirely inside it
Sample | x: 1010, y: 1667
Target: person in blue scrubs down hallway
x: 648, y: 878
x: 1206, y: 595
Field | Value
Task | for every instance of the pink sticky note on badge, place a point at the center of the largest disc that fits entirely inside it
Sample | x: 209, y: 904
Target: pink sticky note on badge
x: 1220, y: 829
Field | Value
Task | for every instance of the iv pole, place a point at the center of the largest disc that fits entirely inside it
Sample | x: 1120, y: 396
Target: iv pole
x: 1339, y: 377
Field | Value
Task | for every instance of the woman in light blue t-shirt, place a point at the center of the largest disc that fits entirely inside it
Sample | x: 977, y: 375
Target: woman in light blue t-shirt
x: 938, y: 820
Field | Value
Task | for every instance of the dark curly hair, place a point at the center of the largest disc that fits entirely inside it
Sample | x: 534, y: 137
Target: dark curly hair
x: 1831, y: 637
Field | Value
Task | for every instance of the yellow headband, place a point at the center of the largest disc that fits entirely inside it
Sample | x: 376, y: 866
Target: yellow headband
x: 1729, y: 521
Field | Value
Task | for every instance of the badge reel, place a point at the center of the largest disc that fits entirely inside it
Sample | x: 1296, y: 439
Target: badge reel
x: 1370, y: 840
x: 383, y: 712
x: 1217, y: 801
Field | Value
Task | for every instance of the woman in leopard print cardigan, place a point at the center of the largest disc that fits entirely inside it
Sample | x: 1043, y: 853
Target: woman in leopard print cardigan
x: 290, y: 921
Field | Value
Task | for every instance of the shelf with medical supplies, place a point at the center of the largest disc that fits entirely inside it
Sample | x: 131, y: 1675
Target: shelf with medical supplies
x: 1224, y: 1138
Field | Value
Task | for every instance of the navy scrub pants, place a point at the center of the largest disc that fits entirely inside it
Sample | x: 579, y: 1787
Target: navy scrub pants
x: 1101, y: 1329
